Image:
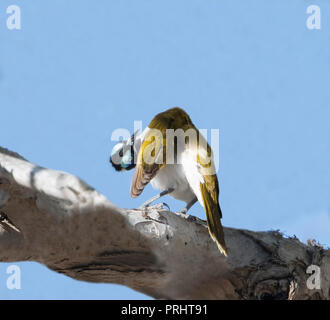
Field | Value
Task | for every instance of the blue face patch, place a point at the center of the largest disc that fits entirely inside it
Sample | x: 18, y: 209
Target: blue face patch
x: 126, y: 160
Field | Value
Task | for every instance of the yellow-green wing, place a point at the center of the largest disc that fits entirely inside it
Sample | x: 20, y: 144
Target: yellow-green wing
x: 152, y: 153
x: 148, y: 163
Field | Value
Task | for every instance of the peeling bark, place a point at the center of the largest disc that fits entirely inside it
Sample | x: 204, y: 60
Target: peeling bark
x: 72, y: 229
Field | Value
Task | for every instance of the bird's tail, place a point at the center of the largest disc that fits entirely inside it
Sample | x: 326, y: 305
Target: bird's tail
x: 216, y: 230
x: 213, y: 215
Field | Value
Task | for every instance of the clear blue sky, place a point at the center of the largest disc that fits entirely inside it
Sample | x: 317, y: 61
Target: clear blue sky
x: 79, y: 69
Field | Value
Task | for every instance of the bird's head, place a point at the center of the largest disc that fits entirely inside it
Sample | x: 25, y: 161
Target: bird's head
x: 123, y: 155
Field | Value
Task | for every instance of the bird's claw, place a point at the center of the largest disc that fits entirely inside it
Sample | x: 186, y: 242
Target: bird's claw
x: 183, y: 211
x: 191, y: 218
x: 147, y: 208
x: 158, y: 206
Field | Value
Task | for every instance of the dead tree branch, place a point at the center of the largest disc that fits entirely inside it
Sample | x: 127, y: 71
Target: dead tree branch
x: 68, y: 226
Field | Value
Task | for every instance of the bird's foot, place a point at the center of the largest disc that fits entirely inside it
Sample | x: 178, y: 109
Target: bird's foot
x: 183, y: 213
x: 161, y: 206
x: 191, y: 218
x: 157, y: 206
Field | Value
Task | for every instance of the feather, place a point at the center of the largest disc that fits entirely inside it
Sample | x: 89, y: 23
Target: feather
x: 210, y: 194
x: 152, y: 153
x: 213, y: 215
x: 148, y: 162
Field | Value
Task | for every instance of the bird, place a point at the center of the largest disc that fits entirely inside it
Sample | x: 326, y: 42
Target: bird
x: 175, y: 158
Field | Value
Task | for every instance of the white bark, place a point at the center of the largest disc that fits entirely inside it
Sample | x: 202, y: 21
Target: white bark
x: 71, y: 228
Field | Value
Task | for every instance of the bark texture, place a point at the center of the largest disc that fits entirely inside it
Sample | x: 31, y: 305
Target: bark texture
x: 68, y: 226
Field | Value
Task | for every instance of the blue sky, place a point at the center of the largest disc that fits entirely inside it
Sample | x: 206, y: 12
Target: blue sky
x: 77, y: 70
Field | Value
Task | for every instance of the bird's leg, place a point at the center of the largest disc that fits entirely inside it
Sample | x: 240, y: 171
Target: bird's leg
x: 163, y: 193
x: 189, y: 205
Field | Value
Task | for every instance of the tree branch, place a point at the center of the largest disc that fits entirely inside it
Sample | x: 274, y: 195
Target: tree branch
x: 71, y: 228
